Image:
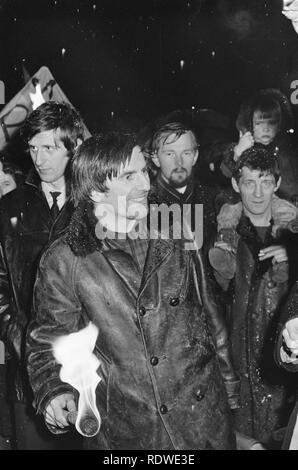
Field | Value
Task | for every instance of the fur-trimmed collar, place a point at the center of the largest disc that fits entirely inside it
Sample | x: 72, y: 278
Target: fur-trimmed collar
x: 230, y: 214
x: 80, y: 235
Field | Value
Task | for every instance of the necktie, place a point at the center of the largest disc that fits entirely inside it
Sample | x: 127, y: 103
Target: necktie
x: 55, y: 208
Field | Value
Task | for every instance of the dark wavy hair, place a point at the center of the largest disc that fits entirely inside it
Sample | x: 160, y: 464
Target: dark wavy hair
x: 98, y: 158
x: 257, y: 158
x: 162, y: 134
x: 54, y: 115
x: 270, y: 102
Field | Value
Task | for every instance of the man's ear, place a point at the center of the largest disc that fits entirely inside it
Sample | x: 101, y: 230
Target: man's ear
x: 79, y: 142
x: 155, y: 159
x: 235, y: 185
x: 97, y: 196
x: 195, y: 158
x: 277, y: 184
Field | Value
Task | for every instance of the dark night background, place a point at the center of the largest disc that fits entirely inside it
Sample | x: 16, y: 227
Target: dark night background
x: 127, y: 61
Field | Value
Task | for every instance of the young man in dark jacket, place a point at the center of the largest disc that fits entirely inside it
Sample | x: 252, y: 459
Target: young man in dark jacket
x: 162, y: 344
x: 174, y: 150
x: 31, y: 217
x: 259, y: 286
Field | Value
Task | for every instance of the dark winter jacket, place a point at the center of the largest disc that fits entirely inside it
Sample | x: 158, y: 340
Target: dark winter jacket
x: 161, y: 347
x: 195, y: 193
x: 259, y: 290
x: 26, y: 227
x: 289, y: 312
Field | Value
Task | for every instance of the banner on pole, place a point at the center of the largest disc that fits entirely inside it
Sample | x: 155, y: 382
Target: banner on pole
x: 40, y: 88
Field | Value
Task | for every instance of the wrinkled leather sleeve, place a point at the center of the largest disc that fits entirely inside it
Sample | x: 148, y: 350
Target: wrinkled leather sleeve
x: 218, y: 329
x: 56, y: 311
x: 289, y: 312
x: 11, y: 331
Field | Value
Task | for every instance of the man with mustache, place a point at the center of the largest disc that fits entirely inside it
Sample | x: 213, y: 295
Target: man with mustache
x: 174, y: 151
x: 163, y: 349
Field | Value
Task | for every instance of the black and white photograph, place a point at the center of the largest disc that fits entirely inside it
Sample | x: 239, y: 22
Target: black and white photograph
x: 148, y: 227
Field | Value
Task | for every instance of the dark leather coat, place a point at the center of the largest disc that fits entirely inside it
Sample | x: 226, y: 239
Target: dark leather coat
x: 258, y: 295
x: 161, y: 384
x: 26, y: 227
x: 289, y: 312
x: 195, y: 193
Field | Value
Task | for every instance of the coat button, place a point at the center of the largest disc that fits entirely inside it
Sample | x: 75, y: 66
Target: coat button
x: 271, y: 284
x: 154, y: 361
x: 174, y: 301
x: 163, y: 409
x: 142, y: 311
x: 199, y: 395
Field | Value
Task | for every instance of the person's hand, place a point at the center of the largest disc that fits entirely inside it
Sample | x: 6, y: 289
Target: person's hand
x: 288, y: 359
x: 278, y: 254
x: 290, y: 11
x: 290, y: 335
x: 246, y: 141
x: 57, y: 410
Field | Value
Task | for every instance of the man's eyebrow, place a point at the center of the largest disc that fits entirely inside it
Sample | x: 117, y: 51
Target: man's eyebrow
x: 42, y: 145
x: 126, y: 173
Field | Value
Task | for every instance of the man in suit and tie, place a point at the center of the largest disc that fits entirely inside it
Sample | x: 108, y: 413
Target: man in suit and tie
x: 31, y: 217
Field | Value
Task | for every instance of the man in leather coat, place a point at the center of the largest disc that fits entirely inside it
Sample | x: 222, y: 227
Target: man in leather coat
x: 165, y: 366
x: 32, y: 216
x: 259, y: 245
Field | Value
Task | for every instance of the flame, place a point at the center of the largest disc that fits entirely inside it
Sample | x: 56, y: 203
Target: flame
x: 79, y: 365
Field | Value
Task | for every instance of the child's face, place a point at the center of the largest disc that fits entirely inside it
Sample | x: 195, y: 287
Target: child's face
x: 7, y: 183
x: 264, y: 130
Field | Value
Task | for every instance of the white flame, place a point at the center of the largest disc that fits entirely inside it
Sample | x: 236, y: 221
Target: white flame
x: 79, y: 365
x: 37, y: 98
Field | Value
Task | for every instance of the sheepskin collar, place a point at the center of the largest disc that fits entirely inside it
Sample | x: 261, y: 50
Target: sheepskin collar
x: 81, y: 237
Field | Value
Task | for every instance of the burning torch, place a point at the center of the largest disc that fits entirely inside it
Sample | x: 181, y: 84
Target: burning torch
x: 78, y: 368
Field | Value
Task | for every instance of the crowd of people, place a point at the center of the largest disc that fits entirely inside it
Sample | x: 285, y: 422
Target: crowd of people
x: 197, y: 332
